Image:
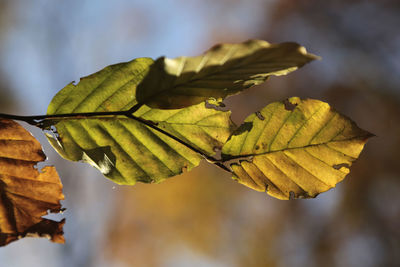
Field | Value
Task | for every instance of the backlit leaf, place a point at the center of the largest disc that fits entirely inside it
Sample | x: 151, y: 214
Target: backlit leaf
x: 223, y: 70
x: 26, y: 194
x: 111, y: 89
x: 296, y: 148
x: 124, y: 149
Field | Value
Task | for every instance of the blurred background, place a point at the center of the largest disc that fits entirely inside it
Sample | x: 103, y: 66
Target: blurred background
x: 203, y: 218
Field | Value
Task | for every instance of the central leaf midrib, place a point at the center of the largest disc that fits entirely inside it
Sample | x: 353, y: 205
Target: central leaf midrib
x: 236, y: 67
x: 228, y: 157
x: 119, y: 116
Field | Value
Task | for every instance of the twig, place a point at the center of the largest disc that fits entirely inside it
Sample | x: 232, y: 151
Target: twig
x: 38, y: 121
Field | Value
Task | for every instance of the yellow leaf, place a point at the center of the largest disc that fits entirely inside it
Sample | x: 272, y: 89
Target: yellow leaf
x: 295, y: 148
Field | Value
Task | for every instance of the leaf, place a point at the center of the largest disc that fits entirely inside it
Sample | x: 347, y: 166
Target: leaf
x: 111, y: 89
x: 224, y: 70
x: 202, y: 127
x: 25, y: 193
x: 296, y: 148
x: 122, y: 148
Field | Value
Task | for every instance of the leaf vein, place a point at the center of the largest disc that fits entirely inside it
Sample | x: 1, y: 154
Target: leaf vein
x: 303, y: 124
x: 82, y: 102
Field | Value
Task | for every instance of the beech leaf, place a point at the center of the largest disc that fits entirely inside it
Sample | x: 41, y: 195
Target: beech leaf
x: 224, y: 70
x: 295, y: 148
x: 26, y: 194
x: 126, y: 150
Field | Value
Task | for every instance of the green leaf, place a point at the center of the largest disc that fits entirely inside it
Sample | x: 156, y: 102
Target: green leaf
x: 111, y: 89
x: 204, y: 128
x: 296, y: 148
x: 122, y: 148
x: 223, y: 70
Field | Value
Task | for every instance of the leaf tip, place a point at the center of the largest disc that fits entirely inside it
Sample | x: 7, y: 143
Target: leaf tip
x: 311, y: 56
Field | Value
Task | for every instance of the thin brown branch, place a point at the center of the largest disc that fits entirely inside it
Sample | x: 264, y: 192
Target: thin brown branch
x: 39, y: 121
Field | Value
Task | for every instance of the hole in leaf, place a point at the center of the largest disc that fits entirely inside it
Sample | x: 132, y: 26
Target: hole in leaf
x: 259, y: 115
x: 339, y: 166
x: 289, y: 105
x: 216, y: 104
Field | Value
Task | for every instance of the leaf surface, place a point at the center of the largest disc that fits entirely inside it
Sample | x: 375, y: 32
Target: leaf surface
x: 224, y: 70
x: 124, y: 149
x: 296, y: 148
x: 110, y: 89
x: 25, y: 193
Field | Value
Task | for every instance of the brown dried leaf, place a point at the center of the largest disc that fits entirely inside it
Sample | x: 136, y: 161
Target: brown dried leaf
x: 25, y: 193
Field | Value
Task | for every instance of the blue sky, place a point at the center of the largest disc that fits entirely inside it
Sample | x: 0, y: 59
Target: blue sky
x: 52, y: 43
